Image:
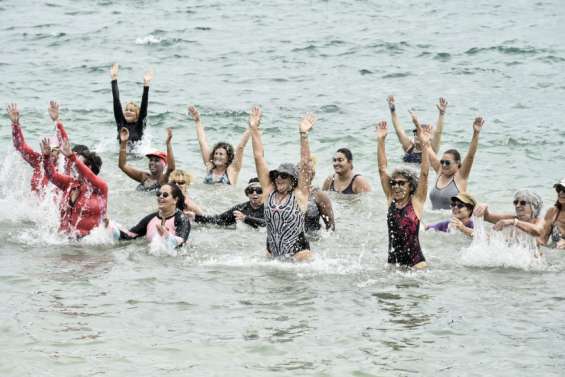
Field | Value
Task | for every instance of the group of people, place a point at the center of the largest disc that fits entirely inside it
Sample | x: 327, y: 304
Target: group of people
x: 283, y: 200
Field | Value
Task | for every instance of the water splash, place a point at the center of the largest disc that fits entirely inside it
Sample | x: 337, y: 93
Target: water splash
x: 148, y: 40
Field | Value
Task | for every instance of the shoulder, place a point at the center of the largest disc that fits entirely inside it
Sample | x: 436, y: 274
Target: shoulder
x: 327, y: 182
x: 360, y: 183
x: 550, y: 214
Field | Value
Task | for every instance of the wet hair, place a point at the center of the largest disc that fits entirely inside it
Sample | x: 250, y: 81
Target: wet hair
x: 93, y: 161
x: 228, y: 148
x: 253, y: 180
x: 176, y: 192
x: 179, y: 173
x: 557, y: 204
x: 535, y: 201
x: 80, y: 149
x: 410, y: 175
x: 456, y: 155
x: 346, y: 152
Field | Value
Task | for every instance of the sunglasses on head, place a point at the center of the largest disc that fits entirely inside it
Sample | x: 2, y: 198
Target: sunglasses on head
x: 257, y: 190
x: 396, y: 182
x: 521, y: 202
x: 445, y: 162
x: 459, y: 205
x: 560, y: 189
x: 283, y: 175
x: 162, y: 193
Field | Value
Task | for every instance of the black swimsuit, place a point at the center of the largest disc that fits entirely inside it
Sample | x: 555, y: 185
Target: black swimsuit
x: 348, y: 189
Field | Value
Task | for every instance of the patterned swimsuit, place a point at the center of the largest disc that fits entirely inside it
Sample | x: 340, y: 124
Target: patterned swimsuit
x: 403, y: 243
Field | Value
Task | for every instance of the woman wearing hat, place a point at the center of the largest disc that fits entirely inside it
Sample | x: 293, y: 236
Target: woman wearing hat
x: 462, y: 206
x: 554, y: 225
x: 406, y: 195
x: 160, y: 164
x: 527, y: 208
x: 285, y: 194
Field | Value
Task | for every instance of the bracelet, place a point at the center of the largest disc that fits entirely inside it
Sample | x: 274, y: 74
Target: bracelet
x: 392, y: 109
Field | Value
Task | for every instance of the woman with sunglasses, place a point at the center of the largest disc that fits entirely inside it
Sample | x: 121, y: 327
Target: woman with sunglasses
x: 35, y: 159
x: 285, y: 194
x: 169, y: 223
x: 222, y: 164
x: 554, y: 224
x: 160, y: 164
x: 251, y: 212
x: 452, y: 173
x: 412, y: 147
x: 462, y: 206
x: 526, y: 216
x: 133, y: 118
x: 183, y: 180
x: 406, y: 195
x: 344, y: 181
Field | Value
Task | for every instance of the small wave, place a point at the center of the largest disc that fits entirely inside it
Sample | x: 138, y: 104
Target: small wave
x: 364, y: 72
x: 203, y: 28
x: 506, y: 50
x: 148, y: 40
x: 396, y: 75
x: 442, y: 56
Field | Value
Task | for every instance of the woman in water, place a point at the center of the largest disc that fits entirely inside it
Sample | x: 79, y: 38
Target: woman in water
x: 285, y: 194
x: 344, y: 181
x: 222, y: 165
x: 133, y: 118
x: 452, y: 173
x: 412, y: 147
x: 169, y: 223
x: 319, y: 204
x: 35, y: 159
x: 160, y: 164
x: 526, y: 217
x: 462, y: 206
x: 406, y: 195
x: 183, y: 180
x: 85, y: 197
x: 554, y: 224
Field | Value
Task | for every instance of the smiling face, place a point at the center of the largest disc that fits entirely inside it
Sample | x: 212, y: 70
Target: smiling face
x: 523, y: 209
x: 254, y: 194
x: 400, y: 187
x: 220, y: 157
x: 131, y: 112
x: 449, y: 165
x: 460, y: 210
x: 341, y: 164
x: 165, y: 200
x: 156, y: 166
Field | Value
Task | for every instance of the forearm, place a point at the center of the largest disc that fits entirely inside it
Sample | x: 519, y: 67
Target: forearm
x: 171, y: 165
x: 61, y: 132
x: 29, y: 155
x: 404, y: 140
x: 223, y: 219
x: 381, y: 156
x: 59, y: 180
x: 254, y: 221
x: 438, y: 132
x: 122, y: 158
x: 202, y: 142
x: 118, y: 113
x: 144, y: 104
x: 470, y: 157
x: 535, y: 230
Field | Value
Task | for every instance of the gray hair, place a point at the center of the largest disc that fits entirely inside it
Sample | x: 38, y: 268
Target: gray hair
x: 409, y: 174
x: 531, y: 197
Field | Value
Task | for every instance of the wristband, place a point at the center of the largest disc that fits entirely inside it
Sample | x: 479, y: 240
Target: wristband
x: 392, y: 109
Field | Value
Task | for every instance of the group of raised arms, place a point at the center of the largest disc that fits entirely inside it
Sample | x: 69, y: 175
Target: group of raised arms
x: 283, y: 200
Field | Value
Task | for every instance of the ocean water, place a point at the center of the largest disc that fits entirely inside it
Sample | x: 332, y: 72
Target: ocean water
x: 220, y: 307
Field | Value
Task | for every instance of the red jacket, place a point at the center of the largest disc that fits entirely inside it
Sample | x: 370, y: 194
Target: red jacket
x: 89, y: 208
x: 38, y: 179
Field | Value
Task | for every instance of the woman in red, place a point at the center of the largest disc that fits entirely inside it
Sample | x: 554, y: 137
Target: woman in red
x: 85, y: 198
x: 33, y: 158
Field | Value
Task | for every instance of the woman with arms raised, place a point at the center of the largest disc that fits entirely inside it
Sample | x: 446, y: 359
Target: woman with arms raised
x: 406, y: 195
x: 222, y: 165
x: 285, y: 194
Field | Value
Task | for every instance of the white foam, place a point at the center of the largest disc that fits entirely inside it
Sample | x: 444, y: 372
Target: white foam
x: 148, y: 40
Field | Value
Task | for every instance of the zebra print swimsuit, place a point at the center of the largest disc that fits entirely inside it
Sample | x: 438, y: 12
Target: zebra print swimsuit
x: 285, y: 227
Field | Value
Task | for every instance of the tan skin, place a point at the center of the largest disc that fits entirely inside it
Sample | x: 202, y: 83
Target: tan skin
x: 460, y: 217
x: 131, y: 111
x: 281, y: 186
x: 456, y: 170
x: 405, y: 140
x: 156, y: 173
x: 219, y: 165
x: 522, y: 218
x: 343, y: 169
x: 191, y: 206
x: 554, y: 216
x: 322, y: 200
x: 401, y: 193
x: 167, y: 207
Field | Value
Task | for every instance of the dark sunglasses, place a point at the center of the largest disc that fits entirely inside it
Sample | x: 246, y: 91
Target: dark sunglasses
x: 560, y: 189
x: 445, y: 162
x: 179, y: 183
x: 521, y: 202
x: 415, y: 132
x: 163, y: 194
x: 458, y: 205
x: 394, y: 182
x: 283, y: 175
x: 257, y: 190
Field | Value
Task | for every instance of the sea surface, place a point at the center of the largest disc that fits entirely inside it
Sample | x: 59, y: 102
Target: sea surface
x: 219, y: 307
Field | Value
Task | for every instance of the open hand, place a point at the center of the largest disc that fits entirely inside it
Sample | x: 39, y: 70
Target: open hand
x: 478, y: 124
x: 391, y: 103
x: 148, y: 76
x: 45, y: 147
x: 114, y: 71
x: 480, y: 210
x: 194, y: 112
x: 307, y: 122
x: 124, y: 135
x: 442, y: 105
x: 169, y: 135
x: 13, y: 112
x: 382, y: 129
x: 255, y: 117
x: 53, y: 110
x: 66, y: 149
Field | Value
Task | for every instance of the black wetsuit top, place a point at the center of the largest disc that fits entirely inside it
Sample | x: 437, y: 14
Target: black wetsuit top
x: 254, y: 217
x: 348, y: 189
x: 135, y: 129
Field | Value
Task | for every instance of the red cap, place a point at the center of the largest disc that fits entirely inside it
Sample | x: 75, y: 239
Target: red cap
x: 158, y: 154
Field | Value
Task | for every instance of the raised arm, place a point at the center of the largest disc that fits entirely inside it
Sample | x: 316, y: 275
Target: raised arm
x: 87, y: 174
x: 170, y: 157
x: 258, y: 151
x: 436, y: 137
x: 382, y: 131
x: 424, y: 134
x: 133, y: 173
x: 304, y: 172
x: 118, y: 112
x: 59, y: 180
x: 147, y: 77
x: 326, y: 211
x: 434, y: 159
x: 467, y: 163
x: 29, y: 155
x: 402, y: 137
x: 235, y: 166
x: 201, y: 135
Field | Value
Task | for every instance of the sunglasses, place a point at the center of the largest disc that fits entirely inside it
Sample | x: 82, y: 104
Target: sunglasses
x: 163, y: 194
x: 521, y: 202
x: 283, y: 175
x: 560, y: 189
x: 257, y: 190
x: 415, y: 132
x: 445, y: 162
x: 394, y: 182
x: 179, y: 183
x: 458, y: 205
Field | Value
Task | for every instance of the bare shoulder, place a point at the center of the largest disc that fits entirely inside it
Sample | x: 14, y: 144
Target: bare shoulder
x: 361, y: 184
x: 327, y: 183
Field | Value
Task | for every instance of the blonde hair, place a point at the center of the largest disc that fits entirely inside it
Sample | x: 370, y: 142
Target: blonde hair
x: 178, y: 173
x: 135, y: 107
